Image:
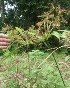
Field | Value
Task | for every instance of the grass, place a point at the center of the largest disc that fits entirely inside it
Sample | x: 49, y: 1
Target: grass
x: 27, y: 70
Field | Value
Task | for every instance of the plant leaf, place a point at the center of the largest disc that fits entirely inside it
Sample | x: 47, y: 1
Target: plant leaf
x: 56, y: 34
x: 19, y: 30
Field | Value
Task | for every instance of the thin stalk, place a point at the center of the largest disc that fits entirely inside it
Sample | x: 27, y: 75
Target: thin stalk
x: 29, y: 63
x: 59, y: 70
x: 29, y: 66
x: 52, y: 53
x: 29, y: 71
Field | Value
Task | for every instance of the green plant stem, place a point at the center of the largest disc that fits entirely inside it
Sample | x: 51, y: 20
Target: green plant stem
x: 29, y: 63
x: 29, y: 67
x: 59, y: 70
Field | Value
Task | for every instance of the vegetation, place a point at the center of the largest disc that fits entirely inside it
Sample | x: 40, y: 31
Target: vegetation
x: 39, y: 54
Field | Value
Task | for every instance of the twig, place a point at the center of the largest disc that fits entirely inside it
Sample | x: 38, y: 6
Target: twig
x: 52, y: 53
x: 57, y: 47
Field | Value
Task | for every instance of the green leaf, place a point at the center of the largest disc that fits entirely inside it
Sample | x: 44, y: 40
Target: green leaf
x: 32, y: 32
x: 67, y: 58
x: 9, y: 33
x: 56, y: 34
x: 19, y: 30
x: 63, y: 34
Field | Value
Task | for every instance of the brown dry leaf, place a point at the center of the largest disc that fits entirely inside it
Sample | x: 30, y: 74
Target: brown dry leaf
x: 39, y: 24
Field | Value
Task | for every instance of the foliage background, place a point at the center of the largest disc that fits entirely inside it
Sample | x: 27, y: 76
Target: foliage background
x: 24, y: 13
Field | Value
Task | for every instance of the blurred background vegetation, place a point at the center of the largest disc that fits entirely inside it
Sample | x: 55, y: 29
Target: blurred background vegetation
x: 23, y: 13
x: 43, y: 17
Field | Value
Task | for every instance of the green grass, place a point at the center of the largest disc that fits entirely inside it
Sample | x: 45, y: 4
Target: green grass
x: 34, y: 70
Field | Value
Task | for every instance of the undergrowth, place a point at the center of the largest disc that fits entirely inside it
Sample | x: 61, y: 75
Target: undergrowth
x: 28, y: 71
